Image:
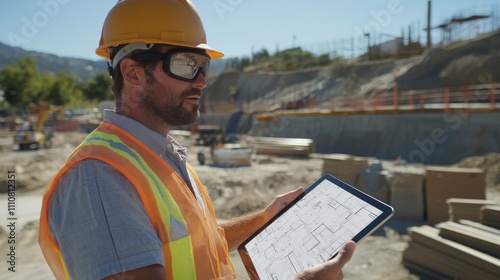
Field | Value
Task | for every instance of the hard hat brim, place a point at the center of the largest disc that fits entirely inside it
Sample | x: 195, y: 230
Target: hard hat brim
x: 103, y: 50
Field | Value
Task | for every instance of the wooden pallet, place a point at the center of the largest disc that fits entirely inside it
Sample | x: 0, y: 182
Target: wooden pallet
x: 281, y: 146
x: 491, y: 216
x: 434, y: 253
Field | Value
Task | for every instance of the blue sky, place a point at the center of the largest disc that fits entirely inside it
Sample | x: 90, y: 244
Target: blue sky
x: 236, y: 27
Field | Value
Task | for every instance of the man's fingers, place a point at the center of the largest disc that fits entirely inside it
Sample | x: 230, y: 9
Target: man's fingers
x: 290, y: 196
x: 345, y: 253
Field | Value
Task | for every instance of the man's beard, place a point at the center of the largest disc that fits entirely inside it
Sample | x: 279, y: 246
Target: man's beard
x: 165, y: 105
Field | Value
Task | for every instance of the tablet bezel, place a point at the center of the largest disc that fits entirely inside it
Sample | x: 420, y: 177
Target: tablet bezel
x: 387, y: 212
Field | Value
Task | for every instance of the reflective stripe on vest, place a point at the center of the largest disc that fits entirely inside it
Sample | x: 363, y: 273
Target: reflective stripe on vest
x: 200, y: 251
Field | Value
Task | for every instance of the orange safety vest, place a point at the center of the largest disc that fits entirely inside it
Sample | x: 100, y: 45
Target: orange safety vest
x: 202, y: 253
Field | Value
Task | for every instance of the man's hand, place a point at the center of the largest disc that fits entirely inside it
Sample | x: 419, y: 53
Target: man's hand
x: 280, y: 202
x: 332, y: 269
x: 239, y: 229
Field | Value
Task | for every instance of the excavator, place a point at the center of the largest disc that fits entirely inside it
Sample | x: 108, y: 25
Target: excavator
x: 28, y: 137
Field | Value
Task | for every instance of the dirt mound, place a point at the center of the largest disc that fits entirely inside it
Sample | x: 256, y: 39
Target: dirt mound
x: 459, y: 64
x: 236, y: 191
x: 471, y: 62
x: 34, y: 169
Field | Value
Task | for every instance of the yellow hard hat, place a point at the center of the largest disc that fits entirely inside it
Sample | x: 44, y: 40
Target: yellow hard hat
x: 171, y: 22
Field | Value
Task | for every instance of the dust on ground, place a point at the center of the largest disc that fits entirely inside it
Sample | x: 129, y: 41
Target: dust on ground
x: 234, y: 191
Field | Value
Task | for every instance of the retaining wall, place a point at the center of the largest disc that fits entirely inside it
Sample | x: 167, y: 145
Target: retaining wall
x: 429, y: 138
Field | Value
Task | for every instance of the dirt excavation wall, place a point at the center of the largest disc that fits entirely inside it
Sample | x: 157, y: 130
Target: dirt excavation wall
x: 465, y: 63
x: 437, y: 138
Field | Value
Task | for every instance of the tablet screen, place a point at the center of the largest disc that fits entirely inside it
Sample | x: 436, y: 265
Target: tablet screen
x: 312, y: 229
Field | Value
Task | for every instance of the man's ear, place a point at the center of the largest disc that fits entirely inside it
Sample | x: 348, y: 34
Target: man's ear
x: 133, y: 73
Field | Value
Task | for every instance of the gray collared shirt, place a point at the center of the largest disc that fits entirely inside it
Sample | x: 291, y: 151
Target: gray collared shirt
x: 166, y: 147
x: 96, y: 215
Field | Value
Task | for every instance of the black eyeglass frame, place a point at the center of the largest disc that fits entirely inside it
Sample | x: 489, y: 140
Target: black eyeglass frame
x: 165, y: 58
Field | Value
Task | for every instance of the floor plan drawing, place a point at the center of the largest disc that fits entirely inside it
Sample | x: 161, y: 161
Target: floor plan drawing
x: 310, y: 232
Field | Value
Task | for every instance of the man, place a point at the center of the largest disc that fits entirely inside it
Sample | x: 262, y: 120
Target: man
x: 127, y: 205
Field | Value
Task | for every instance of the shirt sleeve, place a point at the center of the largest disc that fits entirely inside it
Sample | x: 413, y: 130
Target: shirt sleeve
x: 100, y: 224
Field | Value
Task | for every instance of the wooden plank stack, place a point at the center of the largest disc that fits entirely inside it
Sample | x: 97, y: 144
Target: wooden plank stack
x: 485, y: 241
x: 444, y: 182
x: 491, y: 216
x: 459, y: 249
x: 436, y: 257
x: 281, y: 146
x: 344, y: 167
x: 406, y: 185
x: 480, y: 226
x: 466, y: 209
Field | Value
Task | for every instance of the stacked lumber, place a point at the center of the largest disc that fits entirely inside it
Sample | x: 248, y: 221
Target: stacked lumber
x: 344, y: 167
x: 491, y: 216
x: 442, y: 183
x: 432, y: 253
x: 466, y: 209
x: 480, y: 226
x: 281, y: 146
x: 406, y: 185
x: 482, y: 240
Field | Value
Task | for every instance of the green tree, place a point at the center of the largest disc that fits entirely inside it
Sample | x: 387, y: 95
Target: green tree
x: 245, y: 61
x: 22, y: 83
x: 98, y: 87
x: 262, y: 55
x: 60, y: 89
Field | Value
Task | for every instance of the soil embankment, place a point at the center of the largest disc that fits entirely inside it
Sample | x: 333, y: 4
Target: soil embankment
x: 472, y: 62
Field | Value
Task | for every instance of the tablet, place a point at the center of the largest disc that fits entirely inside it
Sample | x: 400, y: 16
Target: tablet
x: 312, y: 229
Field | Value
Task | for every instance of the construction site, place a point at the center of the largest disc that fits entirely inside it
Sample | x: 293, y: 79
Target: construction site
x: 414, y: 126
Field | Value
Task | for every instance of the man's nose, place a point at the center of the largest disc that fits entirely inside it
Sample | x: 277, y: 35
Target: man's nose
x: 200, y: 81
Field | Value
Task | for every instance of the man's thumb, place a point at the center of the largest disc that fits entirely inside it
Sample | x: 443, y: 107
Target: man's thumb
x: 345, y: 253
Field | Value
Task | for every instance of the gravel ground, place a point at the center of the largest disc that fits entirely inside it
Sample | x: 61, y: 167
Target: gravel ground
x: 234, y: 191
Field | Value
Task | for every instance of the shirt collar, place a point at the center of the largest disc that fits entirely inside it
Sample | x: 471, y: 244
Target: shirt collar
x: 156, y: 142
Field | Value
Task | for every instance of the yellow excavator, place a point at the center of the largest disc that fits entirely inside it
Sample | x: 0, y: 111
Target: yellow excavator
x: 28, y: 137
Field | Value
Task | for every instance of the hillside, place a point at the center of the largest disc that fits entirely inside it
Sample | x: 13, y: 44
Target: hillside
x: 50, y: 63
x: 463, y: 63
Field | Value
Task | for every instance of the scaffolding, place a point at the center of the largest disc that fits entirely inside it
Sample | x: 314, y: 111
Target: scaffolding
x: 464, y: 24
x: 468, y: 24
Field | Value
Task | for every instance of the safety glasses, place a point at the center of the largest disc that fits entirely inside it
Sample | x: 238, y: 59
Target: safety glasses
x: 182, y: 64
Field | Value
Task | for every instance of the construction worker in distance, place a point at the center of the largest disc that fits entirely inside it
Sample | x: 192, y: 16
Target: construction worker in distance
x: 127, y: 205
